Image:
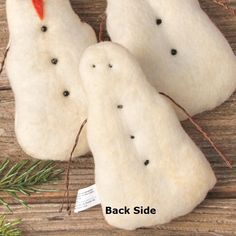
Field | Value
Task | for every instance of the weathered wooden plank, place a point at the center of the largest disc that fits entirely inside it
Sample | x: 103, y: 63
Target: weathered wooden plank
x: 213, y: 217
x: 142, y: 232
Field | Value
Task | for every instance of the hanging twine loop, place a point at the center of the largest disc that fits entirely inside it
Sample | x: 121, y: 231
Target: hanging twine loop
x: 4, y: 59
x: 66, y: 197
x: 102, y: 18
x: 226, y: 5
x: 228, y: 162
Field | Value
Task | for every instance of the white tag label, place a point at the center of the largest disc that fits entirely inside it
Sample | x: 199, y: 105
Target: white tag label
x: 87, y: 198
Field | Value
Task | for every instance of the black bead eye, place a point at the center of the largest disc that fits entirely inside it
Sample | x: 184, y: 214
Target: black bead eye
x: 110, y: 65
x: 174, y: 52
x: 44, y: 28
x: 146, y: 162
x: 94, y: 66
x: 66, y: 93
x: 120, y: 106
x: 132, y: 137
x: 158, y: 21
x: 54, y: 61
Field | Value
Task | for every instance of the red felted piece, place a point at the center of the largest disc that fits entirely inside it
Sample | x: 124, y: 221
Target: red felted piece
x: 39, y: 7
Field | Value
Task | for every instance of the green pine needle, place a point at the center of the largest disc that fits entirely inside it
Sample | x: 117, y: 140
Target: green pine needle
x: 9, y: 228
x: 24, y: 177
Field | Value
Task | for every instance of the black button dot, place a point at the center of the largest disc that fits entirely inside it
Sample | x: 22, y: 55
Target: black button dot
x: 158, y: 21
x: 44, y: 28
x: 66, y: 93
x: 132, y: 137
x: 54, y: 61
x: 94, y: 66
x: 174, y: 52
x: 110, y: 65
x: 120, y: 106
x: 146, y: 162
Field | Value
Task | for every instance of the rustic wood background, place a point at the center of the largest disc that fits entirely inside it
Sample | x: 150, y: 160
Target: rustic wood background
x: 216, y: 216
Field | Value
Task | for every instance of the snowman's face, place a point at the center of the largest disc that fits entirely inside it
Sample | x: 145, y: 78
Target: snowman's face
x: 107, y: 66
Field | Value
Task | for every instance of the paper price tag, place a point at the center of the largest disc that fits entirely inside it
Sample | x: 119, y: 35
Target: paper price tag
x: 87, y: 198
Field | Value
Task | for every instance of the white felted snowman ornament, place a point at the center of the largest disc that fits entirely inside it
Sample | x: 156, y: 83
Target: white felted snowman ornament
x: 143, y: 157
x: 181, y: 51
x: 47, y: 40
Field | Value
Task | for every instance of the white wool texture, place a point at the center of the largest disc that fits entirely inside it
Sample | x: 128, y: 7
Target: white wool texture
x: 50, y: 103
x: 180, y: 50
x: 143, y: 157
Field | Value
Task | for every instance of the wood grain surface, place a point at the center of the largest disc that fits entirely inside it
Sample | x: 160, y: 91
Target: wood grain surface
x: 215, y: 216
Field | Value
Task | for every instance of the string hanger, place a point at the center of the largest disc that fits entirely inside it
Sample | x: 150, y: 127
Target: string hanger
x: 226, y: 5
x: 66, y: 196
x: 228, y: 162
x: 102, y: 26
x: 4, y: 59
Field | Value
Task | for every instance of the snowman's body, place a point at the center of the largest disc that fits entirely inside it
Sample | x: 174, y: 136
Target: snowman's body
x: 42, y: 66
x: 180, y: 50
x: 143, y: 157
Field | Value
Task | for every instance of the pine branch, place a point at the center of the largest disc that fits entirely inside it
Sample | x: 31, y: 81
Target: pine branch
x: 9, y: 228
x: 25, y: 177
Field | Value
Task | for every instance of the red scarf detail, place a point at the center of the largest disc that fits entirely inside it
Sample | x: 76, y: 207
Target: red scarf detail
x: 39, y: 7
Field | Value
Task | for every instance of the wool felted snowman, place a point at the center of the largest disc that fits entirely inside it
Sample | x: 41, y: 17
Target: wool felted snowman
x: 143, y: 157
x: 47, y: 40
x: 180, y: 50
